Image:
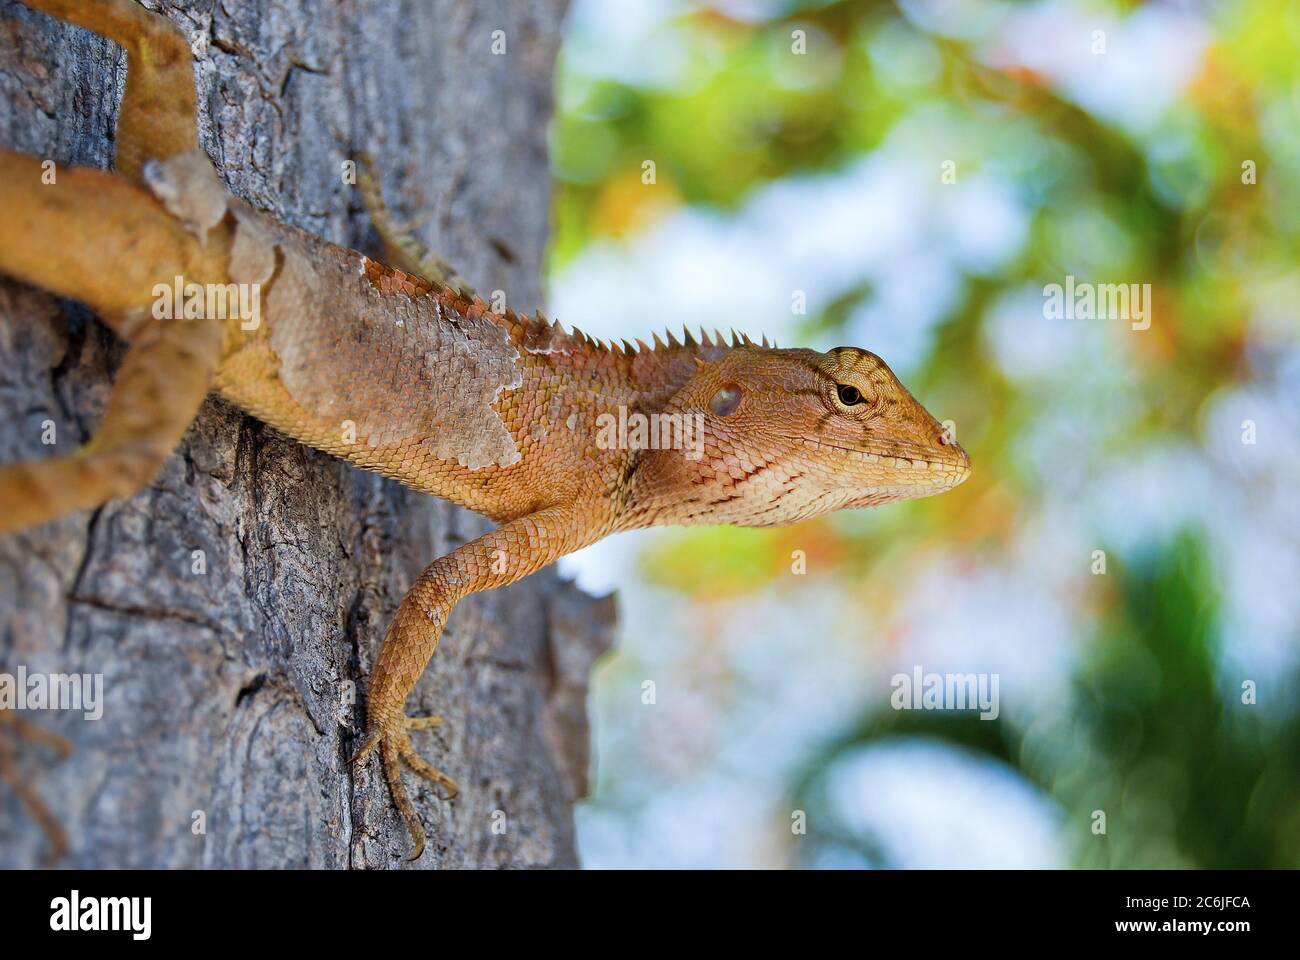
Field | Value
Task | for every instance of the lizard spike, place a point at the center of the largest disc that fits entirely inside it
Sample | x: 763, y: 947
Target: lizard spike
x: 672, y: 341
x: 658, y: 341
x: 629, y: 349
x: 704, y: 338
x: 687, y: 339
x: 645, y: 347
x: 766, y: 345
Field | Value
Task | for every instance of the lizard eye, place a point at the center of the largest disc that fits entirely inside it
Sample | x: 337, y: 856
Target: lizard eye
x: 726, y: 400
x: 849, y: 395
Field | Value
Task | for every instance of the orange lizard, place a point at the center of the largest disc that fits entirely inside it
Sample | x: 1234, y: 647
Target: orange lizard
x: 403, y: 371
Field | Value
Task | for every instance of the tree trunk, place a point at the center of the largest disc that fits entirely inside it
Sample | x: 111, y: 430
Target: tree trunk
x: 236, y: 606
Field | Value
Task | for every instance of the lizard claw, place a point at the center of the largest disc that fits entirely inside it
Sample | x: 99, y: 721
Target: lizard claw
x: 395, y: 747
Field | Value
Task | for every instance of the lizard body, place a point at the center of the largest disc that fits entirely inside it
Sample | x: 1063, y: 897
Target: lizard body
x: 499, y: 412
x: 409, y: 376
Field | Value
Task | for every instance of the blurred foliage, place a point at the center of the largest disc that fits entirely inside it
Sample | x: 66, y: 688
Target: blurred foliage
x: 1187, y: 774
x: 1152, y: 728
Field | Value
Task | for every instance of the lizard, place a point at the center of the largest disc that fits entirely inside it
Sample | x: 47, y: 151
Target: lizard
x: 400, y: 368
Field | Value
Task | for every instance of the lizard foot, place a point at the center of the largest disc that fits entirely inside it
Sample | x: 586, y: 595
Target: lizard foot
x: 395, y: 747
x: 18, y: 732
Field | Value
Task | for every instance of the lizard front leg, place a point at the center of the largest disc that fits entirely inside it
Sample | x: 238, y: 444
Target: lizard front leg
x: 501, y: 556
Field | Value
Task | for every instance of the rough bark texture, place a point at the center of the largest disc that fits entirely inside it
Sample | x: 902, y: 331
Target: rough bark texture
x: 231, y: 692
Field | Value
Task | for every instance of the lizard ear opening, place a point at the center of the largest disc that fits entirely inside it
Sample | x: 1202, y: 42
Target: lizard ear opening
x: 726, y: 400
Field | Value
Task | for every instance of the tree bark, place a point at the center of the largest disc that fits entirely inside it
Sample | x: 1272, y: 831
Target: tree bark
x: 234, y: 678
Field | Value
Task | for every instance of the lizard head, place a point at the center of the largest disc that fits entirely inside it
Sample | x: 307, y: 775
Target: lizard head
x: 790, y: 434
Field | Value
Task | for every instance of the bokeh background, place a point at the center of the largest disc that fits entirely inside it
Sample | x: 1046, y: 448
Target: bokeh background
x: 1175, y: 450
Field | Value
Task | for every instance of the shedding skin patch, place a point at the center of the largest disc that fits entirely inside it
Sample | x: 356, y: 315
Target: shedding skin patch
x: 397, y: 364
x: 356, y: 348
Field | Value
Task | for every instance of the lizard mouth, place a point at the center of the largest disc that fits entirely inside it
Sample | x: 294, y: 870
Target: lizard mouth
x: 956, y: 468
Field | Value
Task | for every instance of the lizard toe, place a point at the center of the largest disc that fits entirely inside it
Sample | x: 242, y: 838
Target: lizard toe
x: 427, y: 770
x: 393, y: 742
x: 391, y: 748
x: 423, y: 723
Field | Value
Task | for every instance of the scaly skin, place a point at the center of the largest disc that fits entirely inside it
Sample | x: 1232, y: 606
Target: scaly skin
x: 406, y: 376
